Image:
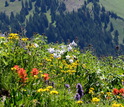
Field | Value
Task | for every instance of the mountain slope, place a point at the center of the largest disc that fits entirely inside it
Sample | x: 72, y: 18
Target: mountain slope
x: 116, y: 6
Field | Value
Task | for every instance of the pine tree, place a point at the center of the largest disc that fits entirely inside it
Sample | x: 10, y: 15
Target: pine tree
x: 6, y: 4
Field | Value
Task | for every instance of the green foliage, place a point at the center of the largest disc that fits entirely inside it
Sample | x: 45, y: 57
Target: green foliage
x: 34, y: 73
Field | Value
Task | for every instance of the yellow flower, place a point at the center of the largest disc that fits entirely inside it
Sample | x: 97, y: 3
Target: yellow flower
x: 35, y: 76
x: 40, y: 71
x: 13, y: 68
x: 108, y: 93
x: 118, y: 97
x: 13, y: 36
x: 40, y: 90
x: 79, y: 102
x: 49, y: 87
x: 2, y: 37
x: 24, y: 39
x: 117, y: 105
x: 46, y: 89
x: 53, y: 92
x: 95, y: 100
x: 91, y: 92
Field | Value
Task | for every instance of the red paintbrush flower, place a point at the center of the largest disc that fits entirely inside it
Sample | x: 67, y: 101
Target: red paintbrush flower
x: 121, y: 91
x: 46, y: 76
x: 115, y: 91
x: 34, y: 71
x: 22, y: 74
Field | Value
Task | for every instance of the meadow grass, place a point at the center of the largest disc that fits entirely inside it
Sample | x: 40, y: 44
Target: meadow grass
x: 116, y: 6
x: 34, y: 73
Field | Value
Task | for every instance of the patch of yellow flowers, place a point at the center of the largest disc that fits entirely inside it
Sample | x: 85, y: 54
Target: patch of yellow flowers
x: 117, y: 105
x: 91, y: 91
x: 44, y: 90
x: 13, y: 36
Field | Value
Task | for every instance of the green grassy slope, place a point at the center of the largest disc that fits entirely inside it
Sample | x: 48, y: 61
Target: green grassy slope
x: 116, y: 6
x: 13, y: 6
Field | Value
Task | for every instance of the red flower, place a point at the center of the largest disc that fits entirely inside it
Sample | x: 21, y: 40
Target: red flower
x: 22, y: 74
x: 34, y: 71
x: 46, y: 76
x: 121, y: 91
x: 115, y: 91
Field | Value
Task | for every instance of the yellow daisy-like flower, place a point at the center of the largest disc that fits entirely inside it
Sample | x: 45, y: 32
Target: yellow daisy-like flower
x: 35, y: 76
x: 54, y: 92
x: 40, y: 90
x: 49, y: 87
x: 79, y: 102
x: 46, y: 89
x: 117, y: 105
x: 95, y: 100
x: 24, y: 39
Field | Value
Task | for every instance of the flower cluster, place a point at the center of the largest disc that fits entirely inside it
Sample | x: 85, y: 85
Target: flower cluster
x: 13, y: 36
x: 57, y: 53
x: 116, y: 91
x: 45, y: 89
x: 21, y: 73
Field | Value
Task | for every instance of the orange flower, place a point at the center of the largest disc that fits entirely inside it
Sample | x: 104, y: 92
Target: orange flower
x: 115, y: 91
x: 22, y: 74
x: 121, y: 91
x: 34, y: 71
x: 46, y: 76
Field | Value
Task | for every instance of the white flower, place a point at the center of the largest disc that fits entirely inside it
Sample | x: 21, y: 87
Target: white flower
x: 51, y: 50
x: 61, y: 52
x: 71, y: 60
x: 69, y: 48
x: 67, y: 57
x: 36, y: 45
x: 55, y: 55
x: 73, y: 43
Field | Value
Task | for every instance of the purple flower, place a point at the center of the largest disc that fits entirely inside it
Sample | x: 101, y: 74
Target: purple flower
x: 77, y: 96
x: 80, y: 92
x: 67, y: 85
x: 79, y: 86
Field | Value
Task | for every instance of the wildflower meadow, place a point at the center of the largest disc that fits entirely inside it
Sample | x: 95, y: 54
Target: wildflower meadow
x: 34, y: 73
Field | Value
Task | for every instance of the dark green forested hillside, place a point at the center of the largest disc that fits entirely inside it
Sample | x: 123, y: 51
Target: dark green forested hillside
x: 90, y: 25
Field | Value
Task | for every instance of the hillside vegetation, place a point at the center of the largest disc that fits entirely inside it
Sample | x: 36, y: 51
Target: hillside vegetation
x: 89, y: 23
x: 34, y: 73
